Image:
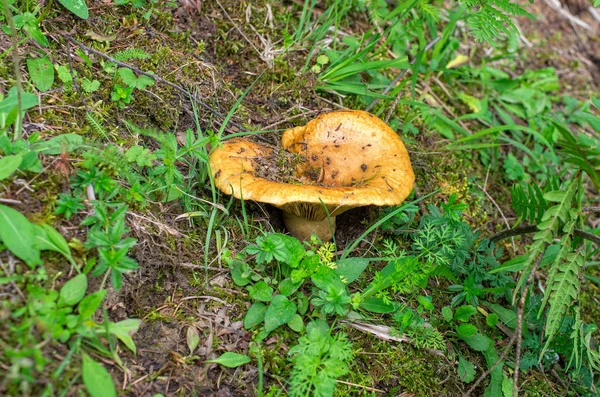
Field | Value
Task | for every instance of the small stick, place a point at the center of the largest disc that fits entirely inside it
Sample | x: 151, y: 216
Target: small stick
x: 361, y: 386
x: 499, y: 210
x: 519, y: 335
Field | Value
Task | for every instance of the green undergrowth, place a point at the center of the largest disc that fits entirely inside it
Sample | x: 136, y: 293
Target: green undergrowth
x: 121, y: 260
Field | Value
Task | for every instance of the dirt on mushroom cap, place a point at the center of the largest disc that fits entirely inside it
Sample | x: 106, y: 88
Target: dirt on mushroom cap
x: 361, y: 161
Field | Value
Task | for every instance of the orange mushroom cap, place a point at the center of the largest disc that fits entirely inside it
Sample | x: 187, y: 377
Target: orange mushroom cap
x: 352, y: 159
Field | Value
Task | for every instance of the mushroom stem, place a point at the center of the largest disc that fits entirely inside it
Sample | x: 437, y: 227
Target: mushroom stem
x: 302, y: 228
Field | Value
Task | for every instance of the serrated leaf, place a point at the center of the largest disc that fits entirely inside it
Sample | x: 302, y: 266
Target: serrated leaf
x: 478, y: 342
x: 73, y: 290
x: 280, y: 311
x: 230, y: 360
x: 466, y: 370
x: 447, y: 313
x: 90, y: 86
x: 9, y: 164
x: 77, y: 7
x: 492, y: 319
x: 96, y: 379
x: 132, y: 81
x: 255, y: 315
x: 463, y: 313
x: 18, y: 235
x: 41, y: 72
x: 193, y: 339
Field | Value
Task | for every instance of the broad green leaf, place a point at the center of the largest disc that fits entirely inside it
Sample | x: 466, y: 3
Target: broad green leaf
x: 376, y: 305
x: 62, y: 143
x: 492, y: 319
x: 77, y: 7
x: 18, y: 234
x: 296, y: 323
x: 466, y: 330
x: 294, y: 250
x: 41, y: 72
x: 260, y: 291
x: 230, y: 360
x: 280, y: 311
x: 508, y: 317
x: 96, y: 379
x: 9, y: 164
x: 447, y: 313
x: 88, y: 305
x: 350, y: 269
x: 325, y: 277
x: 463, y: 313
x: 11, y: 102
x: 466, y: 370
x: 193, y: 339
x: 287, y: 287
x: 238, y: 274
x: 255, y: 315
x: 122, y: 330
x: 478, y: 342
x: 47, y: 238
x: 507, y: 387
x: 555, y: 196
x: 73, y: 290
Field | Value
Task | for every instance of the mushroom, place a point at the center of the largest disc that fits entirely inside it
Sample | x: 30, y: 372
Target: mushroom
x: 351, y: 158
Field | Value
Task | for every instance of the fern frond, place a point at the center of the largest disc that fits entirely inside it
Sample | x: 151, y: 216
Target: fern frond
x: 528, y: 205
x: 548, y: 227
x: 131, y: 53
x: 513, y: 9
x: 96, y: 125
x: 429, y: 12
x: 564, y: 292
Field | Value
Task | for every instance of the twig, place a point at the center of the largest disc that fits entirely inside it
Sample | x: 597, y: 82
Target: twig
x: 490, y: 369
x: 10, y: 201
x: 520, y: 311
x: 154, y: 77
x: 499, y: 210
x: 517, y: 231
x: 361, y: 386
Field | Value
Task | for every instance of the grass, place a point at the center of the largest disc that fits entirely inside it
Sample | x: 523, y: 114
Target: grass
x: 139, y: 246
